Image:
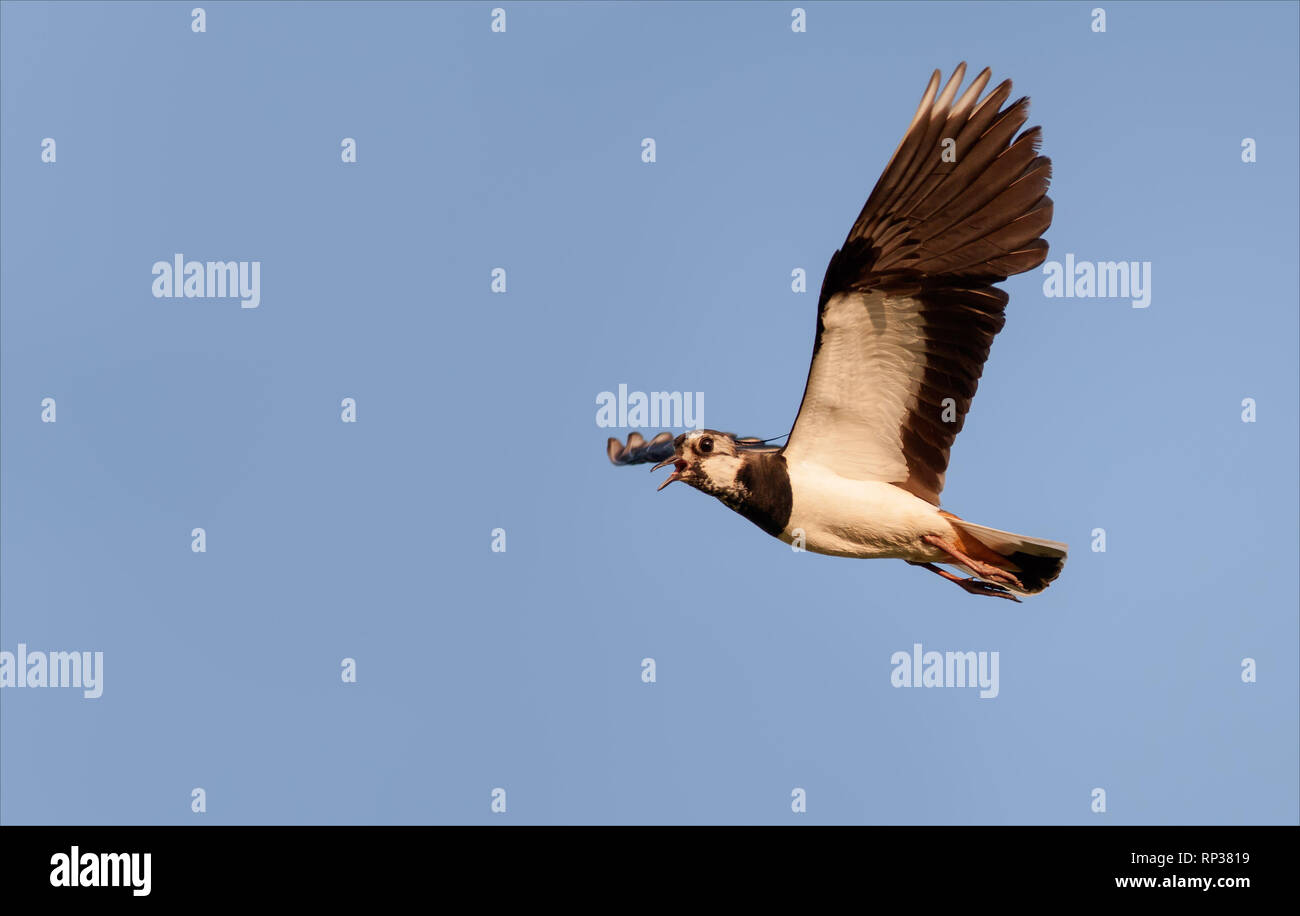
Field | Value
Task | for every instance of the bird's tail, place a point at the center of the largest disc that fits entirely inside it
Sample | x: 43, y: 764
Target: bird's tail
x: 1034, y: 561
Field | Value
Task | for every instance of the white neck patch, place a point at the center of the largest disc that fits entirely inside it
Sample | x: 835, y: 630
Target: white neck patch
x: 721, y: 481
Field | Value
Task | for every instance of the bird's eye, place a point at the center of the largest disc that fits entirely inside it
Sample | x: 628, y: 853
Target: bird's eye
x: 706, y: 444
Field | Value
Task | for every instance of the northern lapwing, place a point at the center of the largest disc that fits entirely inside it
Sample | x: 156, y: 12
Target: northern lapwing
x: 905, y: 319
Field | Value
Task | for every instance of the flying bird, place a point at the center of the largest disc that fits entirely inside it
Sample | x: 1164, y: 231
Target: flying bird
x: 907, y: 313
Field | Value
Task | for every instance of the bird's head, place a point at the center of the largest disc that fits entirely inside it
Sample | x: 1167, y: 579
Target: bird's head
x: 706, y: 459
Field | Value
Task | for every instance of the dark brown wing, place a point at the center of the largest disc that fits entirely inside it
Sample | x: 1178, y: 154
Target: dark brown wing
x: 908, y: 309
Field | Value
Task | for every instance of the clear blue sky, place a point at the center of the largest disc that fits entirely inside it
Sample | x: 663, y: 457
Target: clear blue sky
x: 476, y: 410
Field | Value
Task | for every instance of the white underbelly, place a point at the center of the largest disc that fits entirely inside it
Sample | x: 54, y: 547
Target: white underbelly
x: 859, y: 518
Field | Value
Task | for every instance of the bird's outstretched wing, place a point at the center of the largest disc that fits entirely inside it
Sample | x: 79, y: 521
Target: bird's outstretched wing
x: 908, y: 309
x: 639, y: 451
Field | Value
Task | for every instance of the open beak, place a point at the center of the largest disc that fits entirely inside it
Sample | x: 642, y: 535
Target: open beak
x: 675, y: 475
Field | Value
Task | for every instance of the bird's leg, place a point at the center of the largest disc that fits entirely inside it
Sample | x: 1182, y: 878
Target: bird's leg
x: 981, y: 569
x: 972, y: 585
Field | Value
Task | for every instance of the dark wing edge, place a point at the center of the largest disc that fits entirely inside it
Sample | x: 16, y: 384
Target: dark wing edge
x: 978, y: 217
x: 942, y: 232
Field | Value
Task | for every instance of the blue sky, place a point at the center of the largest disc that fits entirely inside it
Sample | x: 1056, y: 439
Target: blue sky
x: 476, y: 411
